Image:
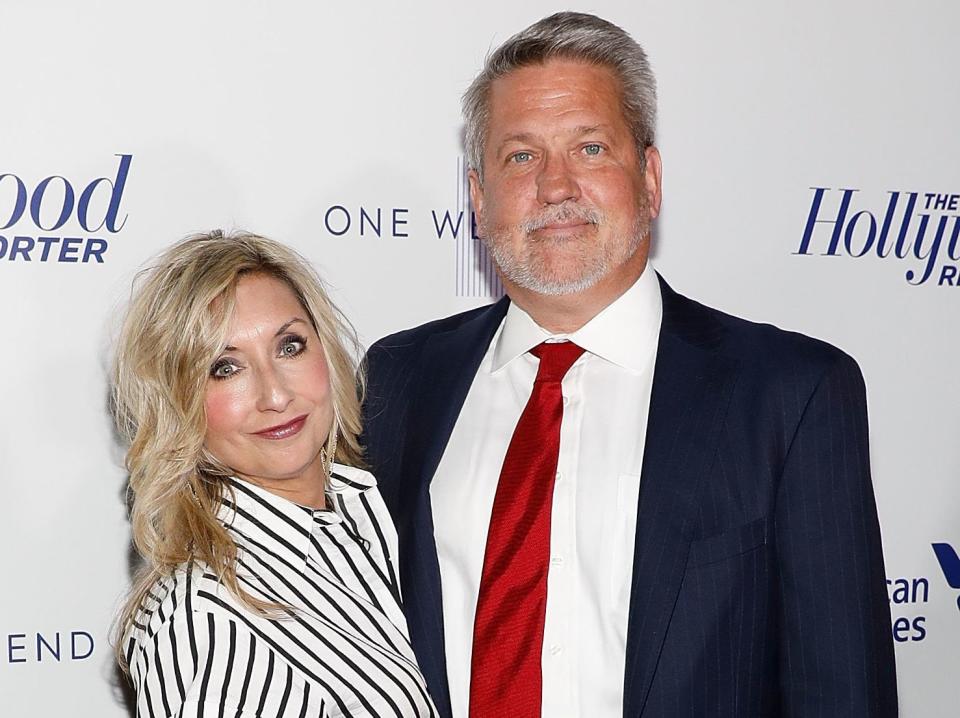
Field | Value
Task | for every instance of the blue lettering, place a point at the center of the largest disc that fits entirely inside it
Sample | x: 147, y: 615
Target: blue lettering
x: 901, y: 594
x: 812, y: 221
x: 902, y: 251
x: 20, y: 205
x: 473, y: 227
x: 919, y: 627
x: 899, y: 627
x: 74, y: 653
x: 365, y: 216
x: 942, y: 202
x: 42, y: 208
x: 932, y: 253
x: 954, y: 238
x: 447, y: 221
x: 397, y: 222
x: 885, y: 227
x: 43, y: 249
x: 69, y: 248
x: 116, y: 194
x: 37, y: 200
x: 906, y: 630
x: 947, y: 274
x: 908, y: 590
x: 22, y: 246
x: 871, y: 234
x: 919, y: 583
x: 46, y: 242
x: 949, y: 563
x: 11, y: 648
x: 326, y: 220
x: 41, y: 642
x: 94, y: 248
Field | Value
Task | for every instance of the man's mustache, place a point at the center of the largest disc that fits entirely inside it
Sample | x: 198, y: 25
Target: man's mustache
x: 559, y: 214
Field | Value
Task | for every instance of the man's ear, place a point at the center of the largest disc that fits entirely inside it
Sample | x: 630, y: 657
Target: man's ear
x: 476, y: 192
x: 651, y: 177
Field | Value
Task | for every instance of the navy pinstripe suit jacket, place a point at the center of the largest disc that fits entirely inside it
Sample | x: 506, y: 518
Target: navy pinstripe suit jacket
x: 758, y: 582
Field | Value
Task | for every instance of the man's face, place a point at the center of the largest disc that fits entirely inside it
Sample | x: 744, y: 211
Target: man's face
x: 564, y: 203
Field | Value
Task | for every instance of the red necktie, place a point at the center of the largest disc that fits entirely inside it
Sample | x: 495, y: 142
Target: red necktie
x: 505, y: 676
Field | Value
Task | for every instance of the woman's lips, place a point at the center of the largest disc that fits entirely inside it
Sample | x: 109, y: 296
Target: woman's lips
x: 284, y: 431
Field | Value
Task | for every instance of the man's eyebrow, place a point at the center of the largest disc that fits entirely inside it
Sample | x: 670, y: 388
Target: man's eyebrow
x: 516, y: 137
x: 524, y: 137
x: 588, y: 129
x: 281, y: 330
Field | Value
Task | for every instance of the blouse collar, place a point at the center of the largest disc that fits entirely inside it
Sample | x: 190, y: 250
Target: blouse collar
x: 280, y: 525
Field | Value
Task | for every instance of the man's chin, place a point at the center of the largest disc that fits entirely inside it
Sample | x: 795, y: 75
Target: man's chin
x: 553, y: 272
x: 557, y: 283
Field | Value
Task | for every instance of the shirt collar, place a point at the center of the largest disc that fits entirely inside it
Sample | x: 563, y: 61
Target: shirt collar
x: 278, y: 523
x: 624, y: 333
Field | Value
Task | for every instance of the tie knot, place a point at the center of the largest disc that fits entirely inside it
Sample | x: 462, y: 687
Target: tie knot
x: 556, y: 358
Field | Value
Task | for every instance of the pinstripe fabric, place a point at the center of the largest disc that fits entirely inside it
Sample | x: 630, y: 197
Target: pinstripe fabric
x: 758, y: 584
x: 341, y: 649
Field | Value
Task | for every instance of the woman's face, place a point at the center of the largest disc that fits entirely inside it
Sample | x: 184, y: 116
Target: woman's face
x: 268, y: 402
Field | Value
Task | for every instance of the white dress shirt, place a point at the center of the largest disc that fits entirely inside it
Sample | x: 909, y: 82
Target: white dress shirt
x: 606, y: 402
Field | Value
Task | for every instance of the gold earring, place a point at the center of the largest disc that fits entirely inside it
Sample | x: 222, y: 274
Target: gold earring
x: 332, y: 453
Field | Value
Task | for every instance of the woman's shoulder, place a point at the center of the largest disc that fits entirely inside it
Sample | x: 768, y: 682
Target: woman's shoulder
x: 354, y: 491
x: 173, y: 598
x: 343, y: 477
x: 191, y: 638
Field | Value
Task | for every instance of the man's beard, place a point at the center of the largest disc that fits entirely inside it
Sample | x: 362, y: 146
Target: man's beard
x: 581, y: 269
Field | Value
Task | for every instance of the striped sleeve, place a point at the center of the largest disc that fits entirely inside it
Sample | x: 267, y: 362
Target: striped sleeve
x: 202, y: 664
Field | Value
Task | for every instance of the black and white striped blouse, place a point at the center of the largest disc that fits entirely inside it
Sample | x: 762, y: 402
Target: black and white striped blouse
x: 342, y: 651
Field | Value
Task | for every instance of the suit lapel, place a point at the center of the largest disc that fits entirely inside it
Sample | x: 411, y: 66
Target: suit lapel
x: 691, y: 388
x: 448, y: 365
x: 692, y: 385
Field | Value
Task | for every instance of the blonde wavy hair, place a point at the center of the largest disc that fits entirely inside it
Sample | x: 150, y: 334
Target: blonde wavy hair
x: 174, y: 329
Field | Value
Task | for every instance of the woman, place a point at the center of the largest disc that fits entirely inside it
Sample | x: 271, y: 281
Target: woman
x: 270, y: 587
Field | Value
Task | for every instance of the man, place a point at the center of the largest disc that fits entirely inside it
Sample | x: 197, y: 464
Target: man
x: 612, y: 500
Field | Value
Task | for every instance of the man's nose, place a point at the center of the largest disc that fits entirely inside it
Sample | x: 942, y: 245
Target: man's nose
x: 556, y: 182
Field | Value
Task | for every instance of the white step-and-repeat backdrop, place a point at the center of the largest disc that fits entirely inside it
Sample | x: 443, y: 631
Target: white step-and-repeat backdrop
x: 812, y: 180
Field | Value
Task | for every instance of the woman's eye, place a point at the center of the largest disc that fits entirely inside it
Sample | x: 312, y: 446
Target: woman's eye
x: 292, y: 346
x: 593, y: 149
x: 223, y: 369
x: 521, y: 157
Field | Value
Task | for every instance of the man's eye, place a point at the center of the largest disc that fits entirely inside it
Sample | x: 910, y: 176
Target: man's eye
x: 593, y: 149
x: 521, y: 157
x: 223, y: 369
x: 292, y: 346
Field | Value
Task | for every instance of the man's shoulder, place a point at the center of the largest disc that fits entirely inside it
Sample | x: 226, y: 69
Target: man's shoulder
x: 763, y: 348
x: 412, y: 339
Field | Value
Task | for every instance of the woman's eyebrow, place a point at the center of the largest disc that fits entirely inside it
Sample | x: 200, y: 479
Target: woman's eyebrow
x: 281, y: 330
x: 286, y: 326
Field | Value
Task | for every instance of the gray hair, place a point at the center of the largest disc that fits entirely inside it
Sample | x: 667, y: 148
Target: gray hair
x: 571, y: 36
